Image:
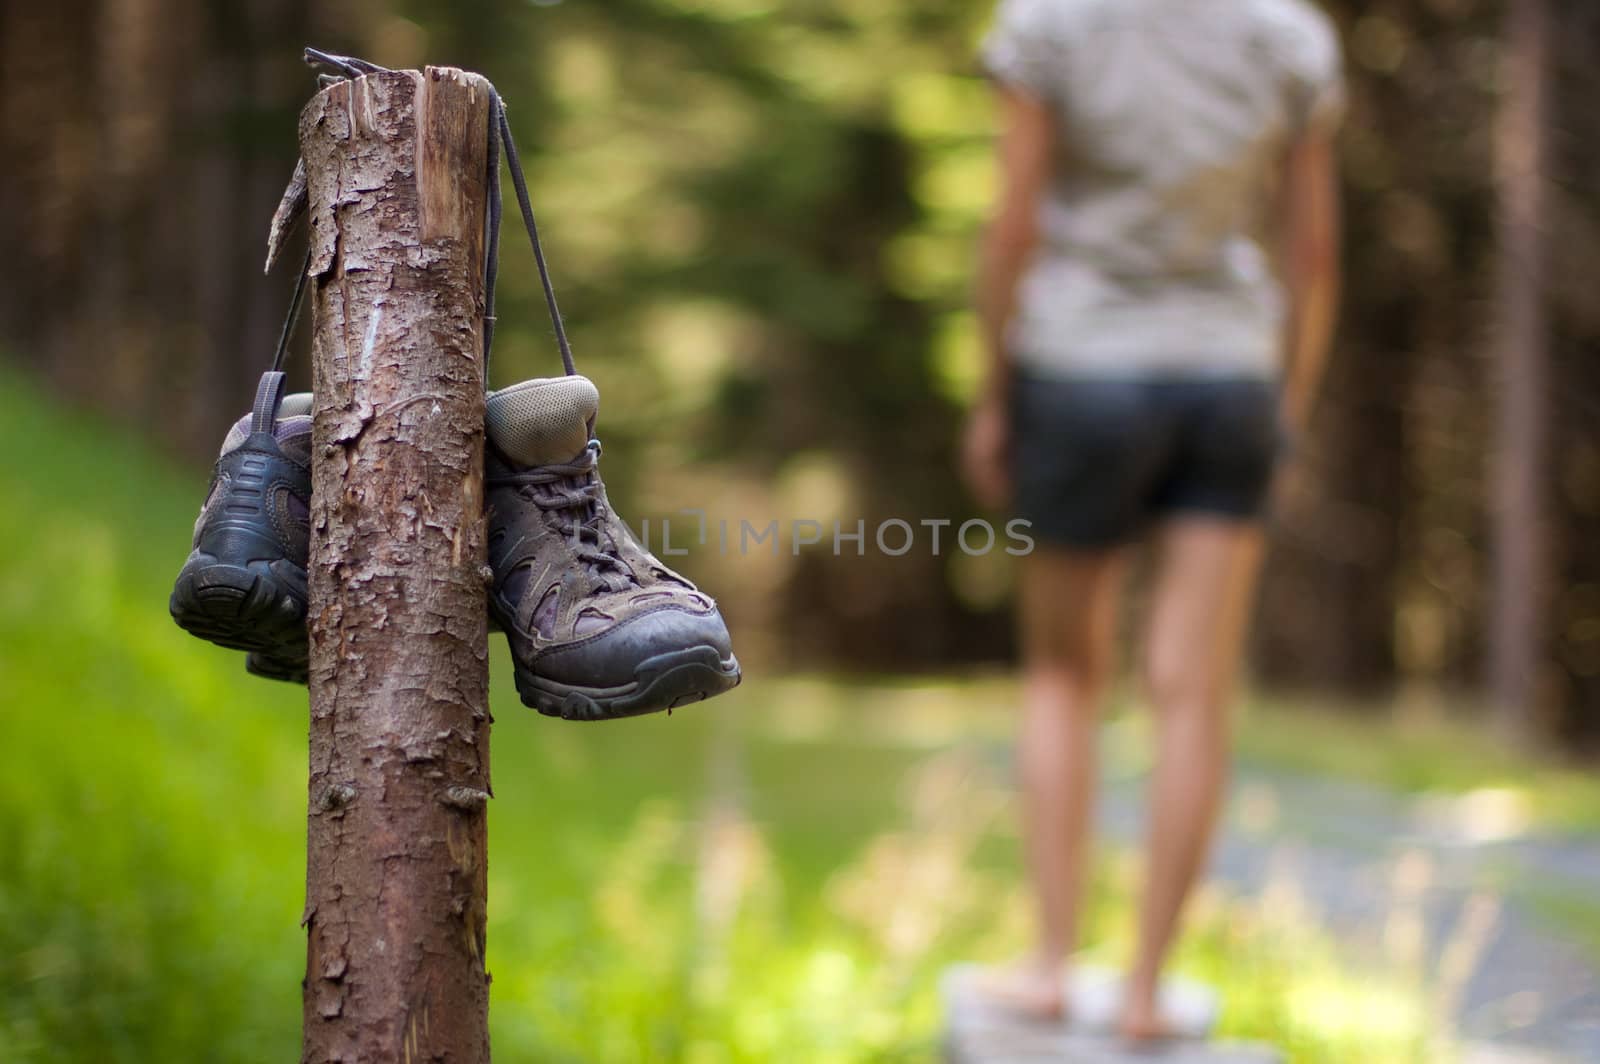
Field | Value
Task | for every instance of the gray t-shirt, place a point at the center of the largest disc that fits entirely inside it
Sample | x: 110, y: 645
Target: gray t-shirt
x: 1156, y: 231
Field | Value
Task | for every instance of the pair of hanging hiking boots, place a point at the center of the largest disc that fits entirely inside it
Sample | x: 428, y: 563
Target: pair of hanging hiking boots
x: 598, y: 627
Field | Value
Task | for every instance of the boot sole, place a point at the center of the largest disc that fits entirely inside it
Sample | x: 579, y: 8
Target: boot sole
x: 663, y: 682
x: 259, y: 606
x: 270, y: 668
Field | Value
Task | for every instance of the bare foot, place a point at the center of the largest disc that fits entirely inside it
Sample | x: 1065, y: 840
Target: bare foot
x: 1144, y: 1025
x: 1029, y: 990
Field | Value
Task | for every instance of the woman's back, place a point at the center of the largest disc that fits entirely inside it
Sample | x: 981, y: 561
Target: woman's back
x: 1132, y: 329
x: 1173, y: 117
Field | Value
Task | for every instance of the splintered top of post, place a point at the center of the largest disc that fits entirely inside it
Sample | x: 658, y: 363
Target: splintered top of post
x: 472, y: 79
x: 446, y: 78
x: 430, y: 125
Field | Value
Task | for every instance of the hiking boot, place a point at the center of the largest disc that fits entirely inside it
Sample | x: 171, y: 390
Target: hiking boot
x: 244, y: 585
x: 598, y: 627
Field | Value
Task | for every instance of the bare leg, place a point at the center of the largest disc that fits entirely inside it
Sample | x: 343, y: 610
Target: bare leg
x: 1067, y: 615
x: 1199, y: 614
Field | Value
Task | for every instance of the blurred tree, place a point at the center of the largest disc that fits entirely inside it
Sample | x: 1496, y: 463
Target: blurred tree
x: 1521, y: 551
x: 1570, y: 661
x: 1362, y: 591
x: 1385, y: 571
x: 147, y: 142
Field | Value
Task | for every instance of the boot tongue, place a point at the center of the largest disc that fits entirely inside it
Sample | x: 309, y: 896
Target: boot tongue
x: 544, y: 421
x: 292, y: 427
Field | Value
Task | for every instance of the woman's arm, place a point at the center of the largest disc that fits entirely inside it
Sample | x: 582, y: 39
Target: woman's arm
x: 1310, y: 228
x: 1025, y: 150
x: 1026, y: 143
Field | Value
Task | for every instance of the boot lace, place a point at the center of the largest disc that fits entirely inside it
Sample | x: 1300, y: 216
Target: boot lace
x: 568, y: 496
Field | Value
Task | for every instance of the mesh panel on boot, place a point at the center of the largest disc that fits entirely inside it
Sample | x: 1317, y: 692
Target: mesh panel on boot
x: 296, y: 404
x: 542, y: 421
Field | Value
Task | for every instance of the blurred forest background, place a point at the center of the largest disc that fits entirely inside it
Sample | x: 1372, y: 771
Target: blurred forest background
x: 762, y: 218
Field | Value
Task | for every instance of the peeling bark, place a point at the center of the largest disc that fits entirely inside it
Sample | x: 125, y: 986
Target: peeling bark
x: 290, y: 208
x: 395, y: 877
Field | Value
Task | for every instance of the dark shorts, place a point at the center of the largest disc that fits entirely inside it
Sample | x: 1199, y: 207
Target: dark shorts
x: 1098, y: 460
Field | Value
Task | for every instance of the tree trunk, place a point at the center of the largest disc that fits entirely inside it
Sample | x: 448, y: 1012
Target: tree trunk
x: 1516, y: 632
x: 395, y: 871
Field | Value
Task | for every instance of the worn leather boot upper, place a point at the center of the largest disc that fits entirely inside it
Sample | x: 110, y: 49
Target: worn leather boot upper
x: 598, y: 625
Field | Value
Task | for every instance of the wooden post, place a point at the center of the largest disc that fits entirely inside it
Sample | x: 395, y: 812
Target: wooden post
x: 396, y: 831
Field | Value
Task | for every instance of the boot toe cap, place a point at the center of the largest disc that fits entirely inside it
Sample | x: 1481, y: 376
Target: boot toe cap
x: 617, y: 656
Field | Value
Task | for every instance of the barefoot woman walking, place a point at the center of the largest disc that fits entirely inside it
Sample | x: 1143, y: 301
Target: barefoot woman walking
x: 1157, y: 294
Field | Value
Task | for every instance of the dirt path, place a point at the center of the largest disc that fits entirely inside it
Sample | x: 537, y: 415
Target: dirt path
x: 1424, y: 880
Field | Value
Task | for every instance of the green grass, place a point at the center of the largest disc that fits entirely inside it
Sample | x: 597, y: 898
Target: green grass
x: 779, y: 875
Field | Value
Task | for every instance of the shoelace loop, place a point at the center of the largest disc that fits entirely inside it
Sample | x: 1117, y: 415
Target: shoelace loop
x: 568, y: 493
